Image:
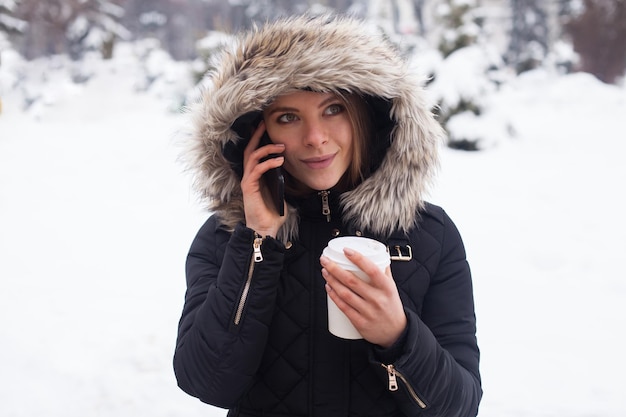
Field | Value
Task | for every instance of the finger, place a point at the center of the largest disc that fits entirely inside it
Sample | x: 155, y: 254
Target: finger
x: 343, y: 299
x: 378, y: 277
x: 339, y: 276
x: 255, y: 155
x: 345, y: 286
x: 255, y: 165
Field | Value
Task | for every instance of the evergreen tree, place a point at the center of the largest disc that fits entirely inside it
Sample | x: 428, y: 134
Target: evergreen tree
x: 70, y: 26
x: 8, y: 22
x: 529, y: 36
x: 461, y: 27
x: 94, y: 24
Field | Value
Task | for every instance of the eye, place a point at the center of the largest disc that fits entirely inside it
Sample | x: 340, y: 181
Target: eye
x: 334, y: 109
x: 287, y: 118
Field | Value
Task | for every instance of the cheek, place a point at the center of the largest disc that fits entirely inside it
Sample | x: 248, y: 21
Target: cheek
x: 347, y: 140
x: 290, y: 160
x: 343, y: 131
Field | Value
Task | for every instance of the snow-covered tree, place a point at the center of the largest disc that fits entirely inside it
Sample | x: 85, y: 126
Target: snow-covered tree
x: 460, y: 24
x: 471, y: 70
x: 70, y: 26
x: 530, y: 34
x: 8, y: 22
x: 94, y: 25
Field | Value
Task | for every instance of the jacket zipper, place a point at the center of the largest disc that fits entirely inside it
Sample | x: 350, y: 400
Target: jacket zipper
x: 325, y: 204
x: 393, y: 384
x: 256, y: 258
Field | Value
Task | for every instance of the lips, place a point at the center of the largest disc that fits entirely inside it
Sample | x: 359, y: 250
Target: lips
x: 319, y: 162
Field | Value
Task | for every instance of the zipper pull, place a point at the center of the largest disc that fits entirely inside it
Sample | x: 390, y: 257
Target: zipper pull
x: 393, y: 382
x: 258, y: 257
x: 393, y: 385
x: 325, y: 205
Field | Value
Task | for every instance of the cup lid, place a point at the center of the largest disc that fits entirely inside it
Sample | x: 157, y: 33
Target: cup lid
x: 370, y: 248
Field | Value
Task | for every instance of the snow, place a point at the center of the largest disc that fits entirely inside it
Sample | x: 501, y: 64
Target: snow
x: 96, y: 217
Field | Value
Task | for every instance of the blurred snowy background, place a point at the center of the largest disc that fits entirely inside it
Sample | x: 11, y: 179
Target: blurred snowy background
x: 96, y: 215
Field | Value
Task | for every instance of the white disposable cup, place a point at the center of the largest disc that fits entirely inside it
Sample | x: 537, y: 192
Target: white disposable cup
x: 338, y: 323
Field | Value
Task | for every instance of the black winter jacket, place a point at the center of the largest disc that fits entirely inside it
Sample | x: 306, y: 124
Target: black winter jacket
x: 253, y: 336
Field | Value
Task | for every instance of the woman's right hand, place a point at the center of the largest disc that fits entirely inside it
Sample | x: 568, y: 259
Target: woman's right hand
x: 258, y: 207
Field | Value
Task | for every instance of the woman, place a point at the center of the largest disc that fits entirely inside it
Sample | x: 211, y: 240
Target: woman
x: 357, y: 145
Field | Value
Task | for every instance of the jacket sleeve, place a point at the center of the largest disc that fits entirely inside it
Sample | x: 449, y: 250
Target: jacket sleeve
x: 435, y: 363
x: 229, y: 304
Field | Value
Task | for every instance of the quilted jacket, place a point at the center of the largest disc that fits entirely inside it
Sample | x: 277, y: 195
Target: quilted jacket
x: 253, y: 336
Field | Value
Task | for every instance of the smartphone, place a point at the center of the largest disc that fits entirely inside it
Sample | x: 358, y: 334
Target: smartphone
x: 274, y: 179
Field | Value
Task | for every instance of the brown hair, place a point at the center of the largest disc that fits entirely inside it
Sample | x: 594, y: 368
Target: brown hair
x: 360, y: 118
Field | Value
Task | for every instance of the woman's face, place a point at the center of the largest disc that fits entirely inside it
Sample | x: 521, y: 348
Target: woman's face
x: 317, y: 133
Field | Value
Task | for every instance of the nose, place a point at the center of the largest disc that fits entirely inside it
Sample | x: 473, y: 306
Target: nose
x: 315, y: 135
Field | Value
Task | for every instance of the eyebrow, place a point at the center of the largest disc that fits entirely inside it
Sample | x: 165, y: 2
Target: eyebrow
x: 287, y: 109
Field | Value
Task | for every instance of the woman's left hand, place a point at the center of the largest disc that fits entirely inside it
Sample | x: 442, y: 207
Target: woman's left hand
x: 374, y: 308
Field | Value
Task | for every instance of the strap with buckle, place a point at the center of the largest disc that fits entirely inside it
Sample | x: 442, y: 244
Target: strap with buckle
x: 400, y: 253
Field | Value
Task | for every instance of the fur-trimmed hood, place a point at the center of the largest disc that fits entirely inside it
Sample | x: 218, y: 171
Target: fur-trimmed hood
x: 326, y: 54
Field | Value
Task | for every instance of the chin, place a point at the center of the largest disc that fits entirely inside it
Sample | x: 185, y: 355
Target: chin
x: 321, y: 186
x: 318, y: 182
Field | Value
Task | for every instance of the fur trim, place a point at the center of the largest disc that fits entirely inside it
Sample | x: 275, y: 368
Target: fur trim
x: 327, y: 54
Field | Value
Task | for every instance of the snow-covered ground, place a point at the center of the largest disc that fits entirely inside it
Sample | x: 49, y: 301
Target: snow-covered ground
x: 96, y: 218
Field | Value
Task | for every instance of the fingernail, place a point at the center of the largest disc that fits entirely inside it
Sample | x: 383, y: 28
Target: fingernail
x: 349, y: 251
x: 323, y: 260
